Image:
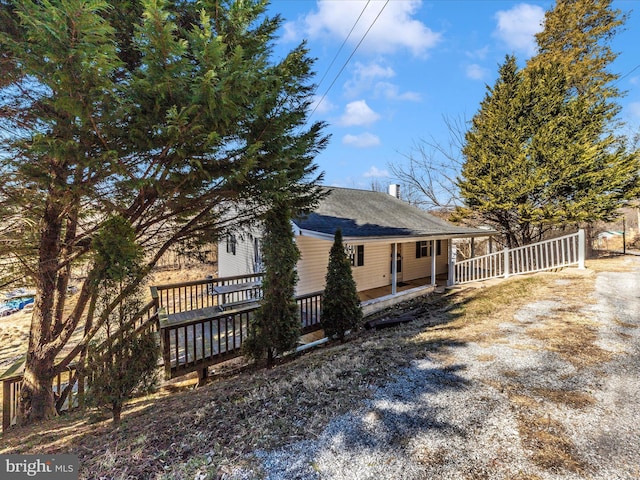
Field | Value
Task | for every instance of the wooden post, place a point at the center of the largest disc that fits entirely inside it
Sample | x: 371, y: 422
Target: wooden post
x: 203, y: 373
x: 165, y: 342
x: 6, y: 405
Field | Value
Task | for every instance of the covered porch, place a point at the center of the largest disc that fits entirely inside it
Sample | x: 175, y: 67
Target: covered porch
x: 403, y: 286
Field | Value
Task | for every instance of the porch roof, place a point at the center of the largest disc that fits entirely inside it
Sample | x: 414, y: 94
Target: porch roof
x: 367, y: 215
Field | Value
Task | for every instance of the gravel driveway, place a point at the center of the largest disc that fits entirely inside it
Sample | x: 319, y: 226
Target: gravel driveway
x: 486, y: 413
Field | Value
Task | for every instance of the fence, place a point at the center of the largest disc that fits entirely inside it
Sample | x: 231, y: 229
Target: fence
x: 537, y: 257
x: 194, y: 344
x: 210, y: 292
x: 68, y: 386
x: 187, y: 345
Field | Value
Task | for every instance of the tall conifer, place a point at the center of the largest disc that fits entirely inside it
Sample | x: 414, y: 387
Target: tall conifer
x: 341, y: 310
x: 276, y: 326
x: 164, y: 112
x: 542, y: 152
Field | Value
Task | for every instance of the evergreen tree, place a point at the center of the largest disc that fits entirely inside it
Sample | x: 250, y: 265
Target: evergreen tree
x: 125, y: 361
x: 276, y: 327
x: 125, y: 364
x: 541, y: 153
x: 497, y: 177
x: 341, y: 310
x: 577, y: 35
x: 165, y: 112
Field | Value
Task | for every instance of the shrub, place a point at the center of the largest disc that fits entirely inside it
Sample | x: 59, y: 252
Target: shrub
x: 341, y: 310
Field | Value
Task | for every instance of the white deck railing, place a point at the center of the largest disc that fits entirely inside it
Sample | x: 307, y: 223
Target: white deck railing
x: 537, y: 257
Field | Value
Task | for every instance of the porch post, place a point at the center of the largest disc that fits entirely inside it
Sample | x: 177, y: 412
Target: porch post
x: 433, y: 263
x: 452, y: 263
x: 581, y: 248
x: 394, y: 268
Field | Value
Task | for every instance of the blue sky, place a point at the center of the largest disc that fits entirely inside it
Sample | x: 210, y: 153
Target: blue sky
x: 421, y: 61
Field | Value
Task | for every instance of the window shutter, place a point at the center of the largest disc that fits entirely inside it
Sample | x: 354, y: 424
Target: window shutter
x: 418, y: 250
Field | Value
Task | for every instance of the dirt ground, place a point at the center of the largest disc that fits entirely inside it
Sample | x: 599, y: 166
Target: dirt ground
x: 531, y: 378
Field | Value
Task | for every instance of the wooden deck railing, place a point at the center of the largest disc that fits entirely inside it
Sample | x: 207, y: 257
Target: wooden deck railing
x: 547, y: 255
x: 187, y: 346
x: 199, y: 294
x: 68, y: 386
x: 12, y: 386
x: 194, y: 344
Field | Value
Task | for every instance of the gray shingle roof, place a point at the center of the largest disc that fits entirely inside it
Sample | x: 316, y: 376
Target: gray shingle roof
x: 363, y: 213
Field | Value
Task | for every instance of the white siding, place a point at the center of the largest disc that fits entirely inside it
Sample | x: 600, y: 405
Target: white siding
x: 314, y: 258
x: 413, y: 267
x: 442, y: 261
x: 243, y: 262
x: 376, y: 271
x: 312, y: 266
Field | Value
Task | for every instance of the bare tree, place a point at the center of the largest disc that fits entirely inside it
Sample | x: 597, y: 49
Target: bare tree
x: 429, y: 178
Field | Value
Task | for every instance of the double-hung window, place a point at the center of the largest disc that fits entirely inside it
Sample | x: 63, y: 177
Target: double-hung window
x: 424, y: 248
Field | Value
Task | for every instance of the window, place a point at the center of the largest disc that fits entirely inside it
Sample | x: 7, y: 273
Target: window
x: 231, y: 244
x: 355, y: 254
x: 257, y: 251
x: 360, y: 256
x: 423, y: 248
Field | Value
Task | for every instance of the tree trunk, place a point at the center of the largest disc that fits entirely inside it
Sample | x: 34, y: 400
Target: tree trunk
x: 36, y: 397
x: 116, y: 412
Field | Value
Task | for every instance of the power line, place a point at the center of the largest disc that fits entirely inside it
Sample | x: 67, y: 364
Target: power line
x: 335, y: 57
x: 349, y: 59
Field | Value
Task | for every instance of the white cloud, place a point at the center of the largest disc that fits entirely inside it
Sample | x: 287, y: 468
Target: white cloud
x: 391, y: 91
x: 364, y: 77
x: 634, y: 109
x: 517, y: 27
x: 634, y: 80
x: 475, y: 71
x: 364, y: 140
x: 321, y: 105
x: 358, y: 113
x: 291, y: 32
x: 480, y: 53
x: 375, y: 172
x: 393, y: 30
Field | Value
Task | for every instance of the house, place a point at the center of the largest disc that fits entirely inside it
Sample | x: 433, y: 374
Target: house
x: 376, y: 227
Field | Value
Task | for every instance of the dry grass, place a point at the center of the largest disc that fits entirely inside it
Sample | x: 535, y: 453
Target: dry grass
x: 573, y: 337
x: 570, y: 398
x: 546, y: 438
x: 212, y: 428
